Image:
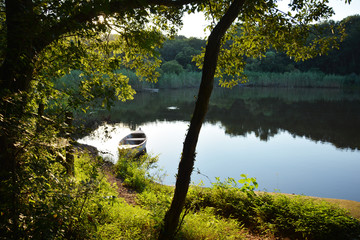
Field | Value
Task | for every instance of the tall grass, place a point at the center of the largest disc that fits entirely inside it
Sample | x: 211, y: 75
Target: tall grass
x: 302, y: 80
x: 182, y: 80
x: 135, y: 169
x: 294, y: 79
x: 134, y: 80
x: 166, y: 80
x: 206, y: 224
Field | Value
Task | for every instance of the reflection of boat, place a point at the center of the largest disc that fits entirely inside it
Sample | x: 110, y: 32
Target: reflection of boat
x: 135, y: 140
x: 152, y: 90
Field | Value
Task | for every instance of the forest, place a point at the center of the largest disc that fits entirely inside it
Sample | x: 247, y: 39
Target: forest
x: 177, y: 53
x: 338, y: 68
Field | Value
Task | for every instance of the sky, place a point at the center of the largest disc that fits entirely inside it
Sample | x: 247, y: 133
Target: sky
x: 195, y: 23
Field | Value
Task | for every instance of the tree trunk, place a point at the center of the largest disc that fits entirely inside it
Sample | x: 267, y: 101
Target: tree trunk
x: 16, y: 71
x: 69, y: 164
x: 15, y: 77
x: 186, y: 164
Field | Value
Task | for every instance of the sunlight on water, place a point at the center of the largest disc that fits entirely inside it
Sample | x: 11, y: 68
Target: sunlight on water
x: 284, y: 163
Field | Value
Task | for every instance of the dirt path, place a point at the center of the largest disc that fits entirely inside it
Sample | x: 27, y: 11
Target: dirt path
x: 123, y: 192
x: 128, y: 194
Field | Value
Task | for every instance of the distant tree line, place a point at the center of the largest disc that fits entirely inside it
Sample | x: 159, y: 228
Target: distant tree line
x: 177, y: 54
x: 339, y: 68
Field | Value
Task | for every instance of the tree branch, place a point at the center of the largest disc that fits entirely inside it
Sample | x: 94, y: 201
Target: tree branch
x: 89, y: 12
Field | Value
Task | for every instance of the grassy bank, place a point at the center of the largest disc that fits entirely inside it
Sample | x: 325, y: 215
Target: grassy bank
x: 166, y: 80
x: 187, y: 79
x: 259, y: 79
x: 302, y: 80
x: 297, y: 79
x: 88, y: 206
x: 231, y: 209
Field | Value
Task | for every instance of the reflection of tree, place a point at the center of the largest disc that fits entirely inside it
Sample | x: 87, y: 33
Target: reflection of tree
x: 261, y: 112
x: 334, y: 122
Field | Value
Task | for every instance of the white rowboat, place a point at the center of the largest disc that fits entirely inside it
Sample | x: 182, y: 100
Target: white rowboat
x: 135, y: 140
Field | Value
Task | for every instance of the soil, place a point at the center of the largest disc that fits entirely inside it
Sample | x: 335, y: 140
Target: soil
x: 127, y: 194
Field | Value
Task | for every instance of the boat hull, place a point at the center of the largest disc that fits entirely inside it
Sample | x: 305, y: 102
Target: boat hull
x: 134, y: 142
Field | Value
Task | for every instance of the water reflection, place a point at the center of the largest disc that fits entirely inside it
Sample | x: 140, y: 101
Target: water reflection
x: 296, y: 141
x: 331, y: 116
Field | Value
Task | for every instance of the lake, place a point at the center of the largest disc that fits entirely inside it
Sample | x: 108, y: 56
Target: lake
x: 301, y: 141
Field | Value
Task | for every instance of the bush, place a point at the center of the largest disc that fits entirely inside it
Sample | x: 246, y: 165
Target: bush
x: 172, y: 67
x: 286, y: 216
x: 54, y: 205
x: 134, y: 170
x: 204, y: 224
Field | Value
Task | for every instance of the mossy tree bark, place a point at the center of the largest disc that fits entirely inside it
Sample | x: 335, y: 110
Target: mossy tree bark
x: 186, y: 164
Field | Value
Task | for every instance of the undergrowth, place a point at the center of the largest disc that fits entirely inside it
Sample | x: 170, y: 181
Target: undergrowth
x: 278, y: 215
x: 87, y: 206
x: 230, y: 209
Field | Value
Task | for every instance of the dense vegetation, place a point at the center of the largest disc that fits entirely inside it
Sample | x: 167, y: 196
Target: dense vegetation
x: 88, y: 207
x: 177, y: 54
x: 230, y: 208
x: 42, y: 194
x: 338, y: 68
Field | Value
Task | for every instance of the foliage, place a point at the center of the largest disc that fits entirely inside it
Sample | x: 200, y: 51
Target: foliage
x: 262, y: 26
x: 172, y: 67
x: 182, y: 50
x: 280, y: 215
x: 227, y: 199
x: 124, y: 221
x: 204, y: 224
x: 41, y: 41
x: 55, y: 206
x: 225, y: 209
x: 343, y: 60
x: 135, y: 169
x: 86, y: 207
x: 156, y: 198
x: 86, y: 56
x: 297, y: 79
x: 305, y: 218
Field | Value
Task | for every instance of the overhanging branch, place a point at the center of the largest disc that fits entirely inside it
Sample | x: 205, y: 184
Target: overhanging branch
x: 88, y: 12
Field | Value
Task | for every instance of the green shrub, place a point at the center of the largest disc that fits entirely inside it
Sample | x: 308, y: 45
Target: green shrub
x: 204, y: 224
x: 172, y: 67
x: 281, y: 215
x: 54, y: 205
x: 125, y: 221
x: 134, y: 170
x: 305, y: 218
x: 157, y: 199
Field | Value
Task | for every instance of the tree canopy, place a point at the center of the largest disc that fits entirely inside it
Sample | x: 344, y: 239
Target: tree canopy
x: 342, y: 60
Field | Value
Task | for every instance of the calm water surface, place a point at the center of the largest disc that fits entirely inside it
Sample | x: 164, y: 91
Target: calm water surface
x: 293, y: 141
